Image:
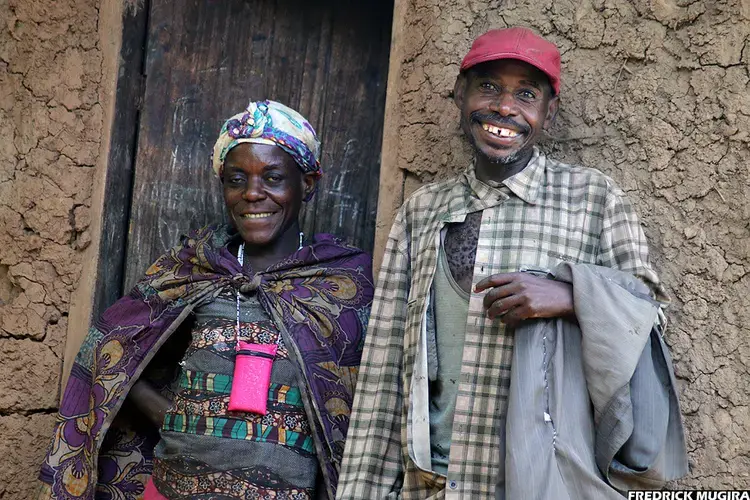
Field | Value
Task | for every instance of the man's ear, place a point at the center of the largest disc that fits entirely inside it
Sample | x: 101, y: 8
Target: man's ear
x: 552, y: 107
x: 458, y: 90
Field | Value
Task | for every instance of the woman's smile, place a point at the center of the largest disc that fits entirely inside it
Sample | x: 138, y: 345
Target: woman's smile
x: 260, y: 215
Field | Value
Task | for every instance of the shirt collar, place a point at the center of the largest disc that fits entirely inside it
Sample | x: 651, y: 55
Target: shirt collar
x: 526, y: 184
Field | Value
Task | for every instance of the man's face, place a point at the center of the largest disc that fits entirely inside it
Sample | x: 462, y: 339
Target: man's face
x: 504, y: 106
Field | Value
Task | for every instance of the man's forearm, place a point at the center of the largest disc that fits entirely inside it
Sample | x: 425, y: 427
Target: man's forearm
x: 149, y: 401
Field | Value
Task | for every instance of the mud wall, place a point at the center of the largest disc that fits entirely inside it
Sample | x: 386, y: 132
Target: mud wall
x: 655, y: 93
x: 53, y: 100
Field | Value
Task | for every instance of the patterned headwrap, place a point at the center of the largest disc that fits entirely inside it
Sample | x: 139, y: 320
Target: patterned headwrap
x: 270, y: 122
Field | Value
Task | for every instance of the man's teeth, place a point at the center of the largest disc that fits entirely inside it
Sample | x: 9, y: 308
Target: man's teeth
x: 500, y: 131
x: 257, y: 216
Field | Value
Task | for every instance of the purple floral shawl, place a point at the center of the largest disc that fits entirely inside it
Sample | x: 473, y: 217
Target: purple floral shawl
x: 319, y: 298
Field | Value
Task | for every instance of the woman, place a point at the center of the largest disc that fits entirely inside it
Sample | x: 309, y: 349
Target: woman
x: 248, y: 300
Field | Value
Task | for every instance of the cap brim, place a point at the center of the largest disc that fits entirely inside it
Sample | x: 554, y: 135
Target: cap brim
x: 497, y: 56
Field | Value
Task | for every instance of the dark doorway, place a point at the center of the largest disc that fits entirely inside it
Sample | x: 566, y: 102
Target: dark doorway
x: 203, y: 61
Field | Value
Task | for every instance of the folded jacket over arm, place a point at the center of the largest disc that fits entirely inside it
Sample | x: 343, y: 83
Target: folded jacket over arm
x: 593, y: 406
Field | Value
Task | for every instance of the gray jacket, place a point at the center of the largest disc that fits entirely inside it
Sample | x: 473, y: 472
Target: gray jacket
x: 592, y: 407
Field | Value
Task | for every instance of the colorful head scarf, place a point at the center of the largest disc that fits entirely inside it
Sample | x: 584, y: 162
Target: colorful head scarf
x: 270, y: 122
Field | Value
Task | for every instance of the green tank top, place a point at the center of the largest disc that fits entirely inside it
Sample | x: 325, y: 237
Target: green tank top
x: 451, y: 310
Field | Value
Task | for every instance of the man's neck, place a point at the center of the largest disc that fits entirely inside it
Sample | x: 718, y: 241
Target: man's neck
x: 487, y: 170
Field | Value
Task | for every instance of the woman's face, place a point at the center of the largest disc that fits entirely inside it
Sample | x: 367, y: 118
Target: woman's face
x: 263, y: 191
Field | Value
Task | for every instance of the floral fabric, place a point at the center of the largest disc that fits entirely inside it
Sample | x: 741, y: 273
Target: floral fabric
x: 323, y: 291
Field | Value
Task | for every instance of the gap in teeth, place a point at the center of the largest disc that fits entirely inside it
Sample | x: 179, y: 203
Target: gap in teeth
x: 499, y: 131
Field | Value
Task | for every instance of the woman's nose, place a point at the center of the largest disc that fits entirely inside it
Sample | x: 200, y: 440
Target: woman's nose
x: 254, y: 190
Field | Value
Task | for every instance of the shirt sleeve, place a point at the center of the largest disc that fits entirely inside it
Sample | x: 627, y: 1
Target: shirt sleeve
x: 372, y: 466
x: 623, y: 245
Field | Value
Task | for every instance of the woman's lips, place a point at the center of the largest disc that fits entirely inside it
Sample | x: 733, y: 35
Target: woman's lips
x: 258, y: 215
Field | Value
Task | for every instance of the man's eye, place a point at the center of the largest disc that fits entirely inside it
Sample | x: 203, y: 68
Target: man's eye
x: 235, y: 181
x: 274, y: 178
x: 527, y: 94
x: 487, y: 86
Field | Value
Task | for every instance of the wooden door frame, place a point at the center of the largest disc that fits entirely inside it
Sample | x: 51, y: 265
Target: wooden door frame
x: 120, y: 165
x: 107, y: 269
x: 118, y: 184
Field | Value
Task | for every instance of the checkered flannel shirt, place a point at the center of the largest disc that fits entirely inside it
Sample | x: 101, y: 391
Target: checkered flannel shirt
x: 548, y: 213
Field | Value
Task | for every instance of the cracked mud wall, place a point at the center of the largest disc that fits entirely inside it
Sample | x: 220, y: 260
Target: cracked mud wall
x: 655, y: 93
x: 53, y: 100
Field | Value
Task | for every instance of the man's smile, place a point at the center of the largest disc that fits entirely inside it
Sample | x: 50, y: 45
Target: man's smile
x: 497, y: 134
x: 499, y: 131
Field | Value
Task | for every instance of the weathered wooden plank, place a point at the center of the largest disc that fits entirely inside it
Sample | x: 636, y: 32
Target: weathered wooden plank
x: 207, y: 59
x: 353, y: 106
x: 120, y: 163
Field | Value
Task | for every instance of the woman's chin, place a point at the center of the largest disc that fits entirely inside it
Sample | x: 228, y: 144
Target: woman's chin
x: 270, y: 235
x: 259, y: 232
x: 259, y: 239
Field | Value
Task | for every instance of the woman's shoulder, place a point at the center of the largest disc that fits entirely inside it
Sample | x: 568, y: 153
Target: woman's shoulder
x: 335, y: 240
x: 216, y: 235
x: 327, y: 247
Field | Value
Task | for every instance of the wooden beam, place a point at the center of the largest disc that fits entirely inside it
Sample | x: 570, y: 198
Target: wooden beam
x: 123, y: 141
x: 391, y: 189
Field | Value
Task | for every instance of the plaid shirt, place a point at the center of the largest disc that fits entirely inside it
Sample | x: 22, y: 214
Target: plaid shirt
x: 547, y: 213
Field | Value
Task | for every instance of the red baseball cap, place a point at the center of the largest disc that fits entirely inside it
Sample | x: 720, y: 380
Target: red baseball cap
x: 516, y: 43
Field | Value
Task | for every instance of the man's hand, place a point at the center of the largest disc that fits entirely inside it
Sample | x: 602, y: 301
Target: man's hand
x: 515, y: 297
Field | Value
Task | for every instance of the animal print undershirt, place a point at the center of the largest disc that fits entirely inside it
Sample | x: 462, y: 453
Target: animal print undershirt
x: 460, y: 246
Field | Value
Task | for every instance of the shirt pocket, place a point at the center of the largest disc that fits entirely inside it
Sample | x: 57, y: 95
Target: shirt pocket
x: 549, y: 260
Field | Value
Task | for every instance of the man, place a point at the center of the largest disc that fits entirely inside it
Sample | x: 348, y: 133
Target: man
x: 467, y: 273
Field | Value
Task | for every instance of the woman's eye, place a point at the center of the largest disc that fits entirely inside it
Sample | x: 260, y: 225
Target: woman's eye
x: 235, y: 181
x: 274, y: 178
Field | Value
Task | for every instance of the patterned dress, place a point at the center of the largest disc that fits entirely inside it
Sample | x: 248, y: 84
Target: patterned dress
x: 207, y: 451
x: 319, y: 297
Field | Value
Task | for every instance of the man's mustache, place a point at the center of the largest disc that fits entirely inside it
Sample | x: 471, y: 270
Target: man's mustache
x: 498, y: 120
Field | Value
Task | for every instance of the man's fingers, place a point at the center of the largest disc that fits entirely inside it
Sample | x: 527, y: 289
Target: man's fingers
x: 515, y: 315
x: 499, y: 292
x: 503, y: 306
x: 495, y: 280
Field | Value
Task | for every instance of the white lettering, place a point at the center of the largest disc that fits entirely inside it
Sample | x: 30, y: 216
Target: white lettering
x: 722, y: 495
x: 689, y: 495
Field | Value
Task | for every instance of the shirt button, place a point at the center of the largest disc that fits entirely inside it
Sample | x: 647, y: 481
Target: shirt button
x: 453, y: 485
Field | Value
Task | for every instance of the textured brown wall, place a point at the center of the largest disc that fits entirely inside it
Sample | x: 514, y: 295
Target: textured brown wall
x: 52, y: 102
x: 655, y: 93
